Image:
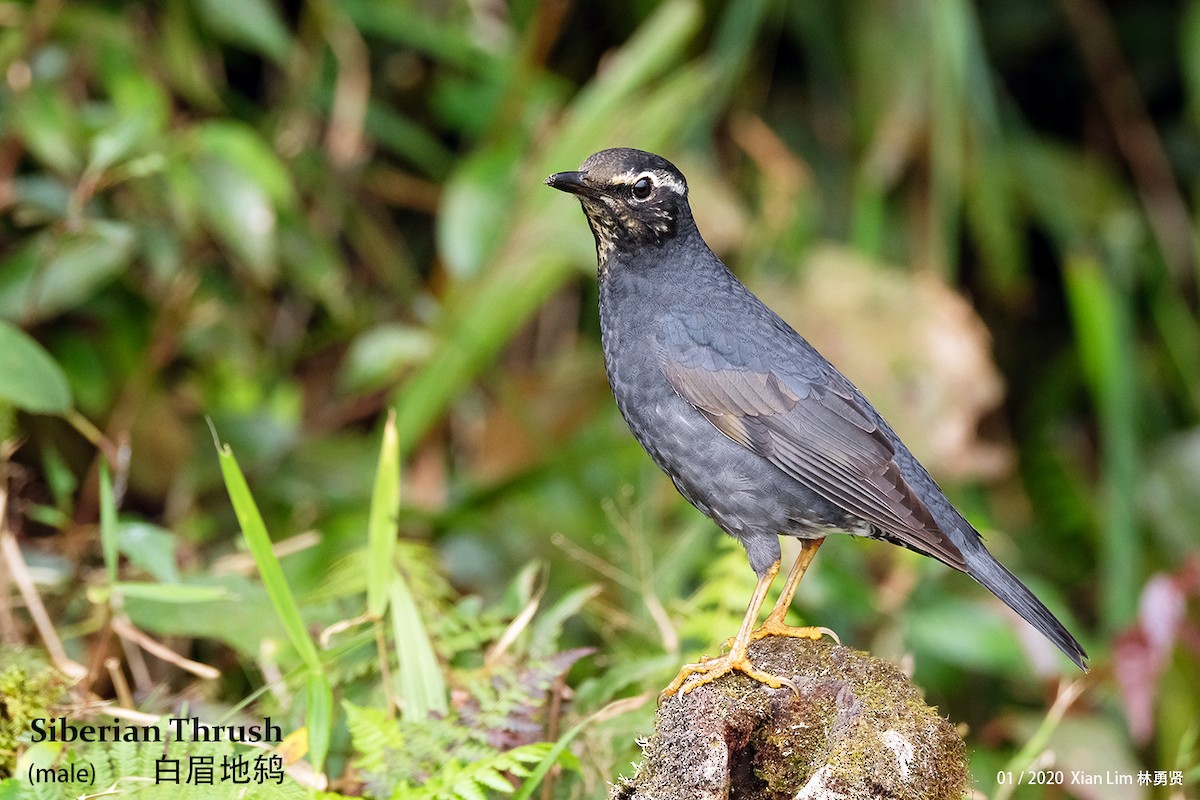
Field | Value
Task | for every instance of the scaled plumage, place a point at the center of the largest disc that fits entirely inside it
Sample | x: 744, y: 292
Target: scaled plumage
x: 753, y: 425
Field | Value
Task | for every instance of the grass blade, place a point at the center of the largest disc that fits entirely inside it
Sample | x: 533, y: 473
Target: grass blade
x: 108, y: 524
x: 422, y: 687
x: 481, y: 315
x: 318, y: 713
x: 1104, y: 334
x: 381, y: 526
x: 259, y: 541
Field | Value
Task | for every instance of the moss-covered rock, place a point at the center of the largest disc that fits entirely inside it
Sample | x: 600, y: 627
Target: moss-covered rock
x: 858, y: 729
x: 28, y: 687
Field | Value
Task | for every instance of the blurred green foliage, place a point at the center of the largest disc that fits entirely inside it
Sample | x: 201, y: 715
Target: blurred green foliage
x: 290, y: 217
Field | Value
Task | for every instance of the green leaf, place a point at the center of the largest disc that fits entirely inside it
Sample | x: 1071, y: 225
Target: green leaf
x: 13, y: 789
x: 312, y: 263
x: 377, y: 356
x: 547, y: 626
x: 240, y: 214
x: 41, y: 197
x: 241, y: 188
x: 134, y: 91
x: 1189, y: 56
x: 408, y: 25
x: 244, y: 148
x: 475, y: 214
x: 29, y: 378
x: 150, y: 547
x: 468, y: 787
x: 60, y: 478
x: 49, y: 127
x: 253, y: 24
x: 1105, y: 335
x: 108, y: 523
x: 318, y: 717
x: 254, y: 530
x: 185, y: 57
x: 373, y: 732
x: 240, y: 615
x: 547, y: 757
x: 172, y: 593
x: 421, y: 684
x: 993, y: 216
x: 53, y: 274
x: 966, y: 634
x: 381, y: 526
x: 482, y: 314
x: 494, y: 780
x: 118, y: 141
x: 1072, y: 195
x: 408, y: 139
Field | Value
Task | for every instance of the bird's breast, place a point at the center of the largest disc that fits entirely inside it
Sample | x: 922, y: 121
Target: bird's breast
x: 632, y: 334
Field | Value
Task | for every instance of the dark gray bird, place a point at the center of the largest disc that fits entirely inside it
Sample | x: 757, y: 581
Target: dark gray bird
x: 753, y: 425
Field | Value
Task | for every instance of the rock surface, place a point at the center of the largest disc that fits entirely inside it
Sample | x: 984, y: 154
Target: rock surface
x: 859, y: 729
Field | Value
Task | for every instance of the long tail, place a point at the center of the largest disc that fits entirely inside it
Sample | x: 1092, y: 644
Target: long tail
x: 999, y: 581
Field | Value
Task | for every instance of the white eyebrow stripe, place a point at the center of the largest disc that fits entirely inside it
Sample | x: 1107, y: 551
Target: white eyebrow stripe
x: 666, y: 179
x: 658, y: 176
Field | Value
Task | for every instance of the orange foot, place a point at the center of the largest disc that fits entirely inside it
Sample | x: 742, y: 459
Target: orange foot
x: 776, y: 627
x: 692, y: 676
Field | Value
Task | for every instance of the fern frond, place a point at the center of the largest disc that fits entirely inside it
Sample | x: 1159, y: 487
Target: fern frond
x: 474, y: 781
x: 374, y: 735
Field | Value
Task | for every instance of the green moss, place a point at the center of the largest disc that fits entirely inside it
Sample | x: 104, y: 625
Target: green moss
x: 858, y: 727
x: 29, y: 686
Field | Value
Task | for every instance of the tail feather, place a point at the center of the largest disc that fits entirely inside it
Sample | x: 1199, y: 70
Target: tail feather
x: 1002, y: 583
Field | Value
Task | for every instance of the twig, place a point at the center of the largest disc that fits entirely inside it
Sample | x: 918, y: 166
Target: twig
x: 120, y: 685
x: 20, y: 573
x: 126, y: 630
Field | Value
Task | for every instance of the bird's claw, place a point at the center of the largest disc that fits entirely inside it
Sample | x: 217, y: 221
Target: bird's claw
x: 707, y: 670
x: 805, y: 632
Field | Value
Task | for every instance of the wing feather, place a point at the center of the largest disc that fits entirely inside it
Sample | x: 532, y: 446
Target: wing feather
x: 821, y: 438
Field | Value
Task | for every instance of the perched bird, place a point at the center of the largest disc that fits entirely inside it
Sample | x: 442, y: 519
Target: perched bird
x: 755, y: 428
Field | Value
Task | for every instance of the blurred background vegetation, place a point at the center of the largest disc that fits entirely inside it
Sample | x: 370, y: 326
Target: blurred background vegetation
x: 289, y: 217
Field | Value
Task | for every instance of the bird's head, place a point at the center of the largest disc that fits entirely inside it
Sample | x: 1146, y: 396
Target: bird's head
x: 631, y: 198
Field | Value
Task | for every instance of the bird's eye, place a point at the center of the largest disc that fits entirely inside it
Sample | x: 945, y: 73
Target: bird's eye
x: 641, y: 189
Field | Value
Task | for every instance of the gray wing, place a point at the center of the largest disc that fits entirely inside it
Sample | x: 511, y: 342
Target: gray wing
x: 818, y: 435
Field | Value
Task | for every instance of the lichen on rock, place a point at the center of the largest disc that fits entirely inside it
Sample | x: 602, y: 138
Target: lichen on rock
x: 859, y: 728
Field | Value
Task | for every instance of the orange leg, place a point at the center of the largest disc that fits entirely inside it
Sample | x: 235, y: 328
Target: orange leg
x: 774, y: 624
x: 698, y: 674
x: 692, y: 675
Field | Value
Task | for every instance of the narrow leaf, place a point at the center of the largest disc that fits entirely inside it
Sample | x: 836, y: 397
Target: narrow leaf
x: 421, y: 685
x: 381, y: 527
x: 57, y: 272
x: 255, y: 532
x: 172, y: 593
x: 318, y: 714
x: 30, y: 378
x: 1104, y: 335
x: 108, y: 524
